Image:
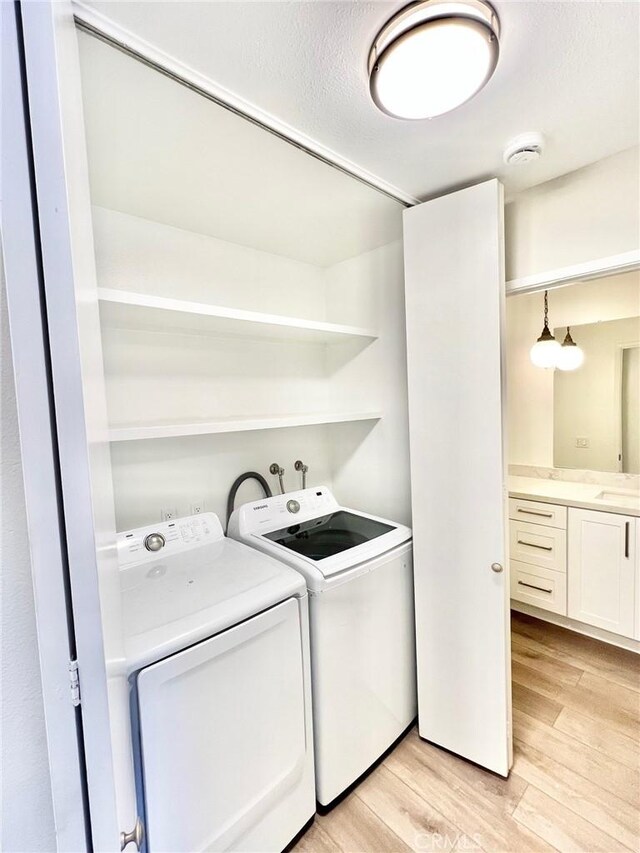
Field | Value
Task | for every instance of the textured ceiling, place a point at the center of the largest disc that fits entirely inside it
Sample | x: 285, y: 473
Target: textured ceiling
x: 569, y: 69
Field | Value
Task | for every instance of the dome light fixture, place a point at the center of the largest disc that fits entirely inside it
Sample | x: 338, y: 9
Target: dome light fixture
x: 571, y: 356
x: 433, y: 56
x: 546, y: 350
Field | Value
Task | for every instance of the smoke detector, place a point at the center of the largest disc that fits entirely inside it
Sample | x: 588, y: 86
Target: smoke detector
x: 525, y: 148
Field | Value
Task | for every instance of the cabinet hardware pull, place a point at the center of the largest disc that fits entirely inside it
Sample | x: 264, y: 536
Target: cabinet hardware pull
x: 533, y: 512
x: 627, y: 527
x: 533, y: 545
x: 531, y: 586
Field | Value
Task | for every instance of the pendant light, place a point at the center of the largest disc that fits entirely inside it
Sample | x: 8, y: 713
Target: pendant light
x: 432, y: 56
x: 570, y: 356
x: 546, y: 350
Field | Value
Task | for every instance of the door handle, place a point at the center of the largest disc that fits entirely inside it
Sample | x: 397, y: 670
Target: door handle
x: 136, y: 836
x: 627, y: 530
x: 532, y: 586
x: 533, y: 545
x: 496, y: 567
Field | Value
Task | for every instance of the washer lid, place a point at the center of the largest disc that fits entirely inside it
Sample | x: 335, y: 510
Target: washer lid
x: 172, y: 602
x: 330, y: 534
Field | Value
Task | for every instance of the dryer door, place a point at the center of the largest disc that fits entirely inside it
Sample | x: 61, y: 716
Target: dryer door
x: 225, y: 750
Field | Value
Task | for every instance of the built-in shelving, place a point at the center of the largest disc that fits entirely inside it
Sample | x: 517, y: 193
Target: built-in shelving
x: 237, y: 424
x: 126, y: 310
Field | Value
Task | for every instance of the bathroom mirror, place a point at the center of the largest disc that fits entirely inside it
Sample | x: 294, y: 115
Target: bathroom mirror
x: 596, y: 408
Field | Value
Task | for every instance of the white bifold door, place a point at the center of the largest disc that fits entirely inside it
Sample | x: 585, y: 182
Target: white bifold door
x: 454, y: 278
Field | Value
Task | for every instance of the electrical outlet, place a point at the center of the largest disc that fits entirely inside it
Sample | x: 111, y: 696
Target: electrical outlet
x: 582, y: 442
x: 168, y: 514
x: 197, y: 507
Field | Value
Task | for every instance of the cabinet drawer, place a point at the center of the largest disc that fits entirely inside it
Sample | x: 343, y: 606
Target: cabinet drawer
x: 541, y: 587
x: 541, y: 546
x: 537, y: 512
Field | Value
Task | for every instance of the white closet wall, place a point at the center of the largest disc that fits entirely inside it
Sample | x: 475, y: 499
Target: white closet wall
x: 145, y: 256
x: 372, y: 468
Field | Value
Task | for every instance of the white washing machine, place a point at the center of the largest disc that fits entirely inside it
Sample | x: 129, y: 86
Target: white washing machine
x: 217, y: 652
x: 358, y: 570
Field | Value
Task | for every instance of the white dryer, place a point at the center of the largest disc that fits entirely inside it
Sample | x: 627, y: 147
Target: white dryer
x: 359, y: 574
x: 217, y: 652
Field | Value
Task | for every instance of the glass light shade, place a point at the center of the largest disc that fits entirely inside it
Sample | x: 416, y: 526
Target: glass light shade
x: 430, y: 59
x: 570, y: 357
x: 545, y: 353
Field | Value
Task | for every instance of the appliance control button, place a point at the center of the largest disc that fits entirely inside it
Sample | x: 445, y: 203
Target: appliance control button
x: 154, y: 541
x: 293, y: 506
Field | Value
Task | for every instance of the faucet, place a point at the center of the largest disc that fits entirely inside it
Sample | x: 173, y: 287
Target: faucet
x: 276, y: 469
x: 300, y: 466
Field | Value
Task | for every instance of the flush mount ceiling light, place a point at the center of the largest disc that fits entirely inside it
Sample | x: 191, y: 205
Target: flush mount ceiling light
x: 545, y: 351
x: 570, y: 356
x: 433, y: 56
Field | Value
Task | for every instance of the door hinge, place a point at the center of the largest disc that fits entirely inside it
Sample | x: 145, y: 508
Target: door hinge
x: 74, y: 683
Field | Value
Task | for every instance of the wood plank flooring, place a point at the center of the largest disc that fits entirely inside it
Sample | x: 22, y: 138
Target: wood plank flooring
x: 575, y: 783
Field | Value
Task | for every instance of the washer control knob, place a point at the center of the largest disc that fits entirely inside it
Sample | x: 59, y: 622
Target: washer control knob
x: 293, y: 506
x: 154, y: 541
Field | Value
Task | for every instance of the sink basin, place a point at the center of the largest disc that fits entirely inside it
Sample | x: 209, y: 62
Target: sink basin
x: 621, y: 497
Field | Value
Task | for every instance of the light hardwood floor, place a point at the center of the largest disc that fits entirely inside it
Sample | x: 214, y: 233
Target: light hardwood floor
x: 575, y: 783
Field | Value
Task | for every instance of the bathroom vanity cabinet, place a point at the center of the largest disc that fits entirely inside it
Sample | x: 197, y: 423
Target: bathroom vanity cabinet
x: 576, y: 562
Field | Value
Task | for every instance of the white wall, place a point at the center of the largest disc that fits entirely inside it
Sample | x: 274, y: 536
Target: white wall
x: 172, y: 473
x: 529, y: 388
x: 27, y: 810
x: 587, y: 402
x: 372, y: 470
x: 148, y: 257
x: 587, y: 214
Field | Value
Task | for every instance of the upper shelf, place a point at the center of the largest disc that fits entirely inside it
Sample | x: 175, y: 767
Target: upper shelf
x: 125, y: 310
x: 168, y: 429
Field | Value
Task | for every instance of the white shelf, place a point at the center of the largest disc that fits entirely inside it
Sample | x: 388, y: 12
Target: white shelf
x: 125, y: 310
x: 223, y: 425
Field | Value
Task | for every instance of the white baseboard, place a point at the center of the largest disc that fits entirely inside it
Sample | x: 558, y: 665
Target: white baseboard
x: 578, y: 627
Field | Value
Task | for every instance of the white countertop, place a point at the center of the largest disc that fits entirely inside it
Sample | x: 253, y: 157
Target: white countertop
x: 583, y: 495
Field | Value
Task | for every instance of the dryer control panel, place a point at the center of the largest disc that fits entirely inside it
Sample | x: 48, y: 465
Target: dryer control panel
x: 281, y: 510
x: 144, y: 544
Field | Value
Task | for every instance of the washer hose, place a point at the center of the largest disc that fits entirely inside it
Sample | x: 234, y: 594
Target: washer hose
x: 248, y: 475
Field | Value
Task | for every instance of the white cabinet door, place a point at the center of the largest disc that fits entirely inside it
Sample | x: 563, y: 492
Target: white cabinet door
x: 602, y: 570
x: 454, y: 277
